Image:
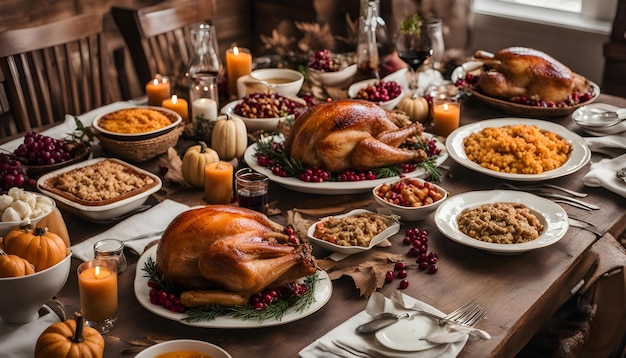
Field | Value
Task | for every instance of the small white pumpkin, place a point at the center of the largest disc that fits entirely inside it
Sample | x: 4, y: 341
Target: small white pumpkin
x: 229, y: 138
x: 416, y: 108
x: 195, y: 159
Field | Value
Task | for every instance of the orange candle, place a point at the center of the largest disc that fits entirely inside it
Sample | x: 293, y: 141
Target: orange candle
x: 218, y: 183
x: 97, y: 283
x: 178, y: 105
x: 158, y: 90
x: 446, y: 117
x: 238, y: 63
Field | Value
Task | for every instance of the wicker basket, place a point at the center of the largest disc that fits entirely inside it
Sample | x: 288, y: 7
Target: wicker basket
x: 141, y: 150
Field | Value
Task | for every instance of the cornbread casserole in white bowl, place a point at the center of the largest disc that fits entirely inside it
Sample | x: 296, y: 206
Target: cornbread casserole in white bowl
x: 99, y: 189
x: 136, y: 123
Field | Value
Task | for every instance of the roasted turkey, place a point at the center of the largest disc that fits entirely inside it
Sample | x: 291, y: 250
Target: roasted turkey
x: 222, y: 254
x: 350, y: 134
x: 524, y: 72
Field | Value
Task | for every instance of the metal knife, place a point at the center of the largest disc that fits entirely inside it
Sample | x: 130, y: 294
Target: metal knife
x: 584, y: 225
x: 570, y: 199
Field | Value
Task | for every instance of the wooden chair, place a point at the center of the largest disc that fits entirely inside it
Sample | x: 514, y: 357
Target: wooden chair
x: 614, y: 79
x: 158, y: 37
x: 52, y: 70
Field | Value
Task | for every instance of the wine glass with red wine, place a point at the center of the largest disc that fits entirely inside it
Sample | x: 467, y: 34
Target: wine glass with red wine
x: 414, y: 47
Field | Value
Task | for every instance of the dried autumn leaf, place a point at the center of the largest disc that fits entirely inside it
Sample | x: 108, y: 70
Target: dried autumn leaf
x: 367, y: 270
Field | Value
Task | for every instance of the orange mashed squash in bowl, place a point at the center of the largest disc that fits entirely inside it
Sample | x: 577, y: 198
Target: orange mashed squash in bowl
x: 134, y: 120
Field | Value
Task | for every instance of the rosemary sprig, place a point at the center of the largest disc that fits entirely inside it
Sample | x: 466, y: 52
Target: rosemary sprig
x: 274, y: 311
x: 208, y: 313
x: 152, y: 273
x: 387, y: 172
x: 431, y: 168
x: 269, y: 148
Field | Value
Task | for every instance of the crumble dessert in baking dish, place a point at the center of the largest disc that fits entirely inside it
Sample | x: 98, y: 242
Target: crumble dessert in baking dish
x: 100, y: 183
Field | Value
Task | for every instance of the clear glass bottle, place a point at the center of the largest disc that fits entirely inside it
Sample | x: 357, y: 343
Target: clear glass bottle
x: 435, y: 31
x: 205, y: 65
x: 367, y: 50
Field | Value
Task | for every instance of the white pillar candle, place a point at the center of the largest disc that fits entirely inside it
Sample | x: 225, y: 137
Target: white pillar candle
x: 204, y: 107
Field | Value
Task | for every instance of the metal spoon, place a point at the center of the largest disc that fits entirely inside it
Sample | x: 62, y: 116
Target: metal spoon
x: 602, y: 119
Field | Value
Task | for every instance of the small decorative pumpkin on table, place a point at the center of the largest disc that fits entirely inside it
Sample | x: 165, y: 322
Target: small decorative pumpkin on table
x: 37, y: 245
x: 14, y: 266
x: 70, y: 339
x: 195, y: 159
x: 415, y: 107
x: 229, y: 138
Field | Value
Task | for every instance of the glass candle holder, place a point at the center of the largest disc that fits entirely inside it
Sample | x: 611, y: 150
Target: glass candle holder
x: 252, y: 189
x: 97, y: 284
x: 446, y: 108
x: 111, y: 249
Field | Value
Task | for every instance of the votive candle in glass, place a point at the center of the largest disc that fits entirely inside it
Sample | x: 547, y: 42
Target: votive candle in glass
x: 97, y: 284
x: 446, y: 116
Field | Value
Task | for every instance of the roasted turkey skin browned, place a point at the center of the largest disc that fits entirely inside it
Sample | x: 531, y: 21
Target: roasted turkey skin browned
x: 350, y: 134
x: 525, y: 72
x: 224, y: 254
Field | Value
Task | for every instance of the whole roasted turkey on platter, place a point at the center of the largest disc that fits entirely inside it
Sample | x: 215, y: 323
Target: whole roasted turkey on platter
x: 350, y: 134
x: 525, y: 72
x: 222, y: 255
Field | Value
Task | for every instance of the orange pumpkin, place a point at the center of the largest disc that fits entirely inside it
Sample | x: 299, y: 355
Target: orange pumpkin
x: 14, y: 266
x: 71, y: 339
x: 39, y: 246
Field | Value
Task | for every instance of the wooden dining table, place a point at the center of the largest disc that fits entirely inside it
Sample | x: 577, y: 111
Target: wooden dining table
x: 520, y: 291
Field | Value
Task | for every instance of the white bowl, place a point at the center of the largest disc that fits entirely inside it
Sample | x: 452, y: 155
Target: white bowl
x: 174, y: 117
x: 294, y: 80
x: 6, y: 226
x: 183, y: 345
x: 411, y: 213
x: 256, y: 124
x: 29, y: 293
x: 392, y: 229
x: 100, y: 211
x: 335, y: 78
x: 389, y: 105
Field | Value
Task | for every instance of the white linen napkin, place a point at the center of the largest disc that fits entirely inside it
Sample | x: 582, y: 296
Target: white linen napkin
x: 602, y: 174
x: 152, y: 220
x: 346, y: 334
x: 18, y: 340
x: 62, y: 130
x: 609, y: 141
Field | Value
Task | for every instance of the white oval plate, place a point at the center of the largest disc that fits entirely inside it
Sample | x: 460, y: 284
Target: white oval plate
x: 578, y: 158
x: 329, y: 187
x: 552, y: 216
x: 405, y: 334
x: 391, y: 230
x: 323, y: 291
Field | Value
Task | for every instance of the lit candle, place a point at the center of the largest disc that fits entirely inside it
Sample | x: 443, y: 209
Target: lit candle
x: 218, y: 183
x: 158, y: 90
x: 177, y: 105
x: 98, y: 290
x: 446, y: 117
x: 238, y: 63
x: 205, y: 108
